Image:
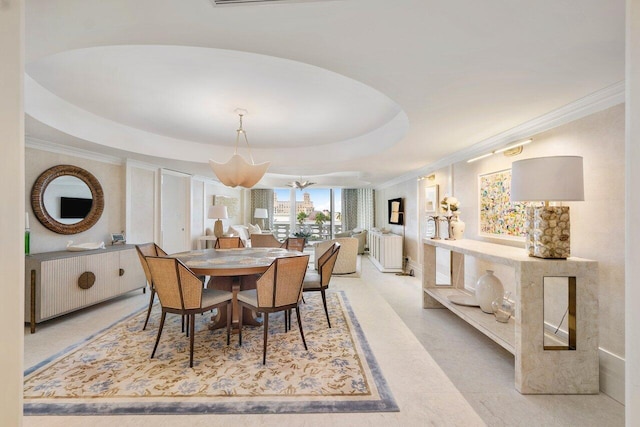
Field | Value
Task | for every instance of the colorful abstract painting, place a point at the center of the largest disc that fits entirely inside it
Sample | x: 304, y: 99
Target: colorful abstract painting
x: 498, y: 216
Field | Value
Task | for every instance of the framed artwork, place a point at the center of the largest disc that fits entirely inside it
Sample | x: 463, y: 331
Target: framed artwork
x: 232, y: 204
x: 118, y: 238
x: 431, y: 199
x: 396, y: 211
x: 499, y: 217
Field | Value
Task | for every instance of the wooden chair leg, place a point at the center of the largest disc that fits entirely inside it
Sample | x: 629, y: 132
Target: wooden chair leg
x: 240, y: 310
x: 266, y: 334
x: 188, y: 318
x: 287, y: 324
x: 182, y: 324
x: 324, y: 302
x: 155, y: 347
x: 300, y: 327
x: 191, y: 319
x: 151, y: 298
x: 229, y: 322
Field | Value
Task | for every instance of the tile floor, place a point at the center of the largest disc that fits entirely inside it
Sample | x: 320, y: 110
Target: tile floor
x: 441, y: 371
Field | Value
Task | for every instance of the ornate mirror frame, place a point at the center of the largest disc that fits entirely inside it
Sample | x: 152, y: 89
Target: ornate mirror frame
x: 37, y: 199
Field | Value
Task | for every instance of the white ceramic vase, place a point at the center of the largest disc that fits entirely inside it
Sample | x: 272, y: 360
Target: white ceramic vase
x: 457, y: 228
x: 488, y: 289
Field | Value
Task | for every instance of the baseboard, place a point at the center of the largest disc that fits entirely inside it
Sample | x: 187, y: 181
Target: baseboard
x: 612, y: 375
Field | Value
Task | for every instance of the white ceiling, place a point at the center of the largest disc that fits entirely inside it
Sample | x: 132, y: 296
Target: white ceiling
x: 347, y: 92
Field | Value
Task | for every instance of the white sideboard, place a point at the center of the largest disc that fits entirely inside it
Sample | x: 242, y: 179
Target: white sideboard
x: 60, y: 282
x: 385, y: 251
x: 539, y: 369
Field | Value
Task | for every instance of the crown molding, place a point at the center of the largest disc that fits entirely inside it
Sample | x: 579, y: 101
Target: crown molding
x: 141, y: 165
x: 590, y: 104
x: 41, y: 144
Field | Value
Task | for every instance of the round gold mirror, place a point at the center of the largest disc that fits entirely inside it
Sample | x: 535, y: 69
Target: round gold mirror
x: 67, y: 199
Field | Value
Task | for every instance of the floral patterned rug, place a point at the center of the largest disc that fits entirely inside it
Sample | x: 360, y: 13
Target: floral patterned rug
x: 111, y: 372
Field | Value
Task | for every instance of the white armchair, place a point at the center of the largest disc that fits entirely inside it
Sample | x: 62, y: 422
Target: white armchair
x: 347, y: 258
x: 361, y: 235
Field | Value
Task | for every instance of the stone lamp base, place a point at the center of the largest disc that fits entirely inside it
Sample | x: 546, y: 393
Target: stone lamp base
x: 548, y: 232
x: 218, y: 230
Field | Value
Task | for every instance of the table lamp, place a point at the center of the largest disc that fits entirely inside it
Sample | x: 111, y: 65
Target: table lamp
x: 261, y: 213
x: 218, y: 212
x: 545, y: 179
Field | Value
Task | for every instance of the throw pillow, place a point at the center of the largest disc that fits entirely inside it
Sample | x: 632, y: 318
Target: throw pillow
x: 242, y: 231
x: 253, y: 229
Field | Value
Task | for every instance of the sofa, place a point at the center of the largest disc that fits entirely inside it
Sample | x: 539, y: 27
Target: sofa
x: 347, y: 258
x: 359, y: 234
x: 246, y: 232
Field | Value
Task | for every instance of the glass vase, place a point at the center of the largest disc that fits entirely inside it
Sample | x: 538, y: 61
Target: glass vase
x: 503, y: 308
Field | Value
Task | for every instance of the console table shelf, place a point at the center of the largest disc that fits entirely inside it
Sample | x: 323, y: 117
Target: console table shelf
x: 501, y: 333
x: 539, y: 369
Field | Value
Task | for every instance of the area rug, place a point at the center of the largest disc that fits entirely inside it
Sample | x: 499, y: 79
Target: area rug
x: 111, y: 372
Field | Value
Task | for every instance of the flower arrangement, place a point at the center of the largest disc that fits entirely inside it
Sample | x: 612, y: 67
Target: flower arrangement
x: 449, y: 204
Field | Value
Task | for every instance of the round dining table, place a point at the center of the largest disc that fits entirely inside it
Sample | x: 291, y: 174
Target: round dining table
x: 232, y: 270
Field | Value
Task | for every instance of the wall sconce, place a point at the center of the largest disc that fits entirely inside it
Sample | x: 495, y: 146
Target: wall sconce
x: 431, y: 177
x: 509, y: 150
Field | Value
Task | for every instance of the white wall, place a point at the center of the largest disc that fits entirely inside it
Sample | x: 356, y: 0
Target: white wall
x: 142, y: 203
x: 12, y: 210
x: 632, y: 226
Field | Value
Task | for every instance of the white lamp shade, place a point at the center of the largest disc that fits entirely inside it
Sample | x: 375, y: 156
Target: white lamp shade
x: 260, y: 213
x: 554, y: 179
x: 218, y: 212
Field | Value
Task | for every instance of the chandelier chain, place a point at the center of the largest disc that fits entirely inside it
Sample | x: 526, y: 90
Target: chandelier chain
x: 244, y: 133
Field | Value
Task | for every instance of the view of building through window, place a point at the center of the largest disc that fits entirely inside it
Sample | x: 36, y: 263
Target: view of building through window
x: 313, y: 217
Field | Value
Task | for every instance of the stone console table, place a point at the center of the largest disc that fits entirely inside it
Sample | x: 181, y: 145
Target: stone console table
x: 539, y: 370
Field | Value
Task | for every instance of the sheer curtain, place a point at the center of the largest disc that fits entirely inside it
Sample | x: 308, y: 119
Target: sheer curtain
x: 358, y: 208
x: 262, y: 198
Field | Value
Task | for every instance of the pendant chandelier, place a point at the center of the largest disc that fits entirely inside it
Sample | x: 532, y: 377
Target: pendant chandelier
x: 237, y: 171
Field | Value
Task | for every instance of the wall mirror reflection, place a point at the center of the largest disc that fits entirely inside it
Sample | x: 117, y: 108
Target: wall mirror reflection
x: 67, y: 199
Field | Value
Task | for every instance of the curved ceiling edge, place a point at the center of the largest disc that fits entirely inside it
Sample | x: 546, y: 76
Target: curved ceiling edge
x: 68, y: 118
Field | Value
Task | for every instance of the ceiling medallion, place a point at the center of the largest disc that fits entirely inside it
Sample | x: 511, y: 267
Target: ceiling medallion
x: 237, y: 171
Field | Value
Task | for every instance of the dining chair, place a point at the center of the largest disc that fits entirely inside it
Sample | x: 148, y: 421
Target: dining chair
x: 278, y: 289
x: 319, y: 282
x: 265, y: 241
x: 225, y: 242
x: 180, y: 291
x: 295, y: 243
x: 145, y: 250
